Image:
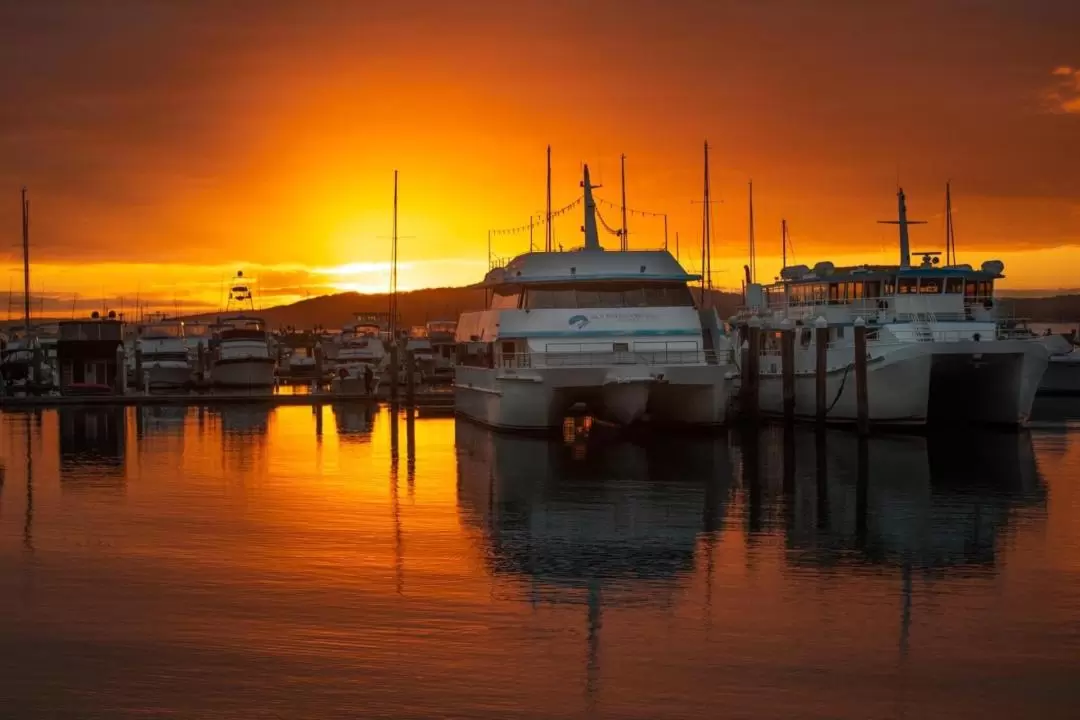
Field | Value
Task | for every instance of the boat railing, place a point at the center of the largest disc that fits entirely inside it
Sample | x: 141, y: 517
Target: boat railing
x: 608, y: 358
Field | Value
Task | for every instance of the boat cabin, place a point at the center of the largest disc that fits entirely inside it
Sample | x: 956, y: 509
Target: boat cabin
x: 86, y: 352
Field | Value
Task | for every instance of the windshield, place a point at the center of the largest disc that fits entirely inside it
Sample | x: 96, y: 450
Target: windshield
x: 170, y: 330
x: 608, y: 295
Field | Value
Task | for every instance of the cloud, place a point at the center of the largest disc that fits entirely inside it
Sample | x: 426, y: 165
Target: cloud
x: 1064, y: 96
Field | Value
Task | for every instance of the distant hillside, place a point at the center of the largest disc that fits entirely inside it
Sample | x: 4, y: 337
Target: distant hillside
x: 415, y: 307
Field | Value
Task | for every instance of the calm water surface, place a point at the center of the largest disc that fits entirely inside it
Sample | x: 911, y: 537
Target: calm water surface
x: 249, y: 563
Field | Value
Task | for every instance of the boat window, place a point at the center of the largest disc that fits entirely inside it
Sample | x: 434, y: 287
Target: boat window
x: 907, y: 286
x: 505, y: 297
x: 805, y: 339
x: 929, y: 286
x: 872, y: 289
x: 970, y: 289
x: 856, y: 291
x: 954, y: 285
x: 889, y: 287
x: 608, y: 295
x: 836, y: 292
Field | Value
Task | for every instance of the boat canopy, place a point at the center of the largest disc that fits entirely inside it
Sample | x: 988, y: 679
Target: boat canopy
x: 590, y: 266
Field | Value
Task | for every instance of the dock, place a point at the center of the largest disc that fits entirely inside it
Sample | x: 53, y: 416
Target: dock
x: 420, y: 399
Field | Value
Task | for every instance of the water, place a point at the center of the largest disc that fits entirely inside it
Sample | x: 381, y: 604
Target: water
x: 251, y: 563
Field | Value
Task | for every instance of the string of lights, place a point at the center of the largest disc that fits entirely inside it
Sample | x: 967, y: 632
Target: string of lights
x: 630, y: 211
x: 613, y: 231
x: 539, y: 223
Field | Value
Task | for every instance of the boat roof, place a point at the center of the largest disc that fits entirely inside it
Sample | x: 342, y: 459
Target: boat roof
x: 589, y: 265
x: 829, y: 273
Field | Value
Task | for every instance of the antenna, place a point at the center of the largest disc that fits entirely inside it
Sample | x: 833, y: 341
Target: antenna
x: 622, y: 172
x: 74, y: 299
x: 706, y: 234
x: 549, y: 232
x: 903, y: 222
x: 753, y: 249
x: 678, y: 255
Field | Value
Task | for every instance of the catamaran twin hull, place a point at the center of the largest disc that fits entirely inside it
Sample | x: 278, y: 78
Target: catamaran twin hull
x: 992, y: 383
x: 254, y: 372
x: 539, y: 398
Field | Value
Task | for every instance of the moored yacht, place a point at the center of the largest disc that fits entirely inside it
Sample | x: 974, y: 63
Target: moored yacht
x: 166, y: 361
x: 360, y: 348
x: 616, y: 331
x: 243, y: 357
x: 936, y: 350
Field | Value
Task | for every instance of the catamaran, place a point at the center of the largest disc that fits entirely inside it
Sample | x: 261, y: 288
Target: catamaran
x: 936, y: 350
x: 615, y: 331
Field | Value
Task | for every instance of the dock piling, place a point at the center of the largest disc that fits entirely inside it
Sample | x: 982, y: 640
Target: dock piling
x: 821, y: 346
x: 752, y: 370
x: 121, y: 370
x: 410, y: 377
x: 200, y: 361
x: 861, y: 388
x: 394, y: 372
x: 787, y: 368
x: 317, y: 352
x: 138, y: 370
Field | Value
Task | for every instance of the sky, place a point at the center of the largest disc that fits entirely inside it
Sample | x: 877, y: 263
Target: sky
x: 166, y: 145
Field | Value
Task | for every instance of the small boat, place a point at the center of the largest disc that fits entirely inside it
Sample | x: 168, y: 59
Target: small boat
x: 243, y: 356
x: 359, y: 348
x: 440, y: 334
x: 166, y: 360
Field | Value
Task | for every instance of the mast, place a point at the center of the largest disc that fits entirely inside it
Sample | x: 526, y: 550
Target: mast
x: 783, y: 243
x: 753, y: 249
x: 26, y: 259
x: 903, y: 222
x: 549, y: 233
x: 950, y: 237
x: 592, y: 238
x: 706, y: 235
x: 393, y: 265
x: 622, y: 171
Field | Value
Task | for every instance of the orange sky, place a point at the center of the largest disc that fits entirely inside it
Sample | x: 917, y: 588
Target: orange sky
x: 167, y: 144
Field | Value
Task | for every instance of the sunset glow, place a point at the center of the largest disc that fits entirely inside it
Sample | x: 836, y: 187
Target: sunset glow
x: 167, y: 145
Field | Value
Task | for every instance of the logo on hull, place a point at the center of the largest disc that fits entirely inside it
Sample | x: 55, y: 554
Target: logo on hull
x: 578, y: 321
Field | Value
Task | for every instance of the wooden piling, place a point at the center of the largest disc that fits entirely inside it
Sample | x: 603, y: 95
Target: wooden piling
x: 394, y: 371
x: 120, y: 386
x: 787, y: 369
x: 200, y: 362
x: 821, y: 346
x: 138, y: 370
x: 861, y: 388
x: 752, y: 371
x: 410, y: 377
x: 317, y: 352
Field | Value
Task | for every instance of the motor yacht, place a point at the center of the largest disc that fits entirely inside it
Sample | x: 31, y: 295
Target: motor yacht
x: 616, y: 332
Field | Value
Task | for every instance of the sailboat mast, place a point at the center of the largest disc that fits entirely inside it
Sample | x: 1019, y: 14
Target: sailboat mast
x: 706, y: 235
x: 950, y: 238
x: 393, y: 266
x: 753, y: 249
x: 26, y: 259
x: 622, y: 170
x: 783, y: 243
x: 549, y: 234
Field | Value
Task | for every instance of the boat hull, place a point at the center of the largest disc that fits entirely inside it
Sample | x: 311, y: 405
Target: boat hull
x: 1062, y: 376
x: 243, y: 372
x: 540, y: 398
x: 176, y: 375
x: 926, y: 383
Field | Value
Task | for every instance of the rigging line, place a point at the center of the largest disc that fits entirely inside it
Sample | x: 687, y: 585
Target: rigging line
x: 629, y: 210
x: 523, y: 228
x: 617, y: 233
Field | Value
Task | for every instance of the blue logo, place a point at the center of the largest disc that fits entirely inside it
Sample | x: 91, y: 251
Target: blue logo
x: 578, y: 321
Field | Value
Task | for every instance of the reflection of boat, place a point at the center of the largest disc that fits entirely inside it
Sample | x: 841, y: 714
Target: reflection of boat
x: 936, y: 501
x: 92, y: 444
x: 244, y: 418
x: 162, y: 419
x: 354, y: 421
x: 575, y: 513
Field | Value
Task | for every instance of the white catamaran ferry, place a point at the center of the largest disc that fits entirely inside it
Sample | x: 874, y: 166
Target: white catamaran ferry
x: 616, y: 331
x: 936, y: 351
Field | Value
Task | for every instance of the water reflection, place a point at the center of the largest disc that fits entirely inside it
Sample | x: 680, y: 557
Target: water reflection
x: 943, y: 501
x: 93, y: 444
x: 354, y: 421
x: 590, y: 510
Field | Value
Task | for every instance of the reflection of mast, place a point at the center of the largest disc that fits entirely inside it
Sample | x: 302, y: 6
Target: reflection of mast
x: 393, y: 270
x: 395, y: 505
x: 410, y: 451
x: 592, y: 658
x: 28, y: 537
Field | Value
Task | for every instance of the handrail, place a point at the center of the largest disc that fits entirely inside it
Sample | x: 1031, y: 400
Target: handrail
x: 532, y: 360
